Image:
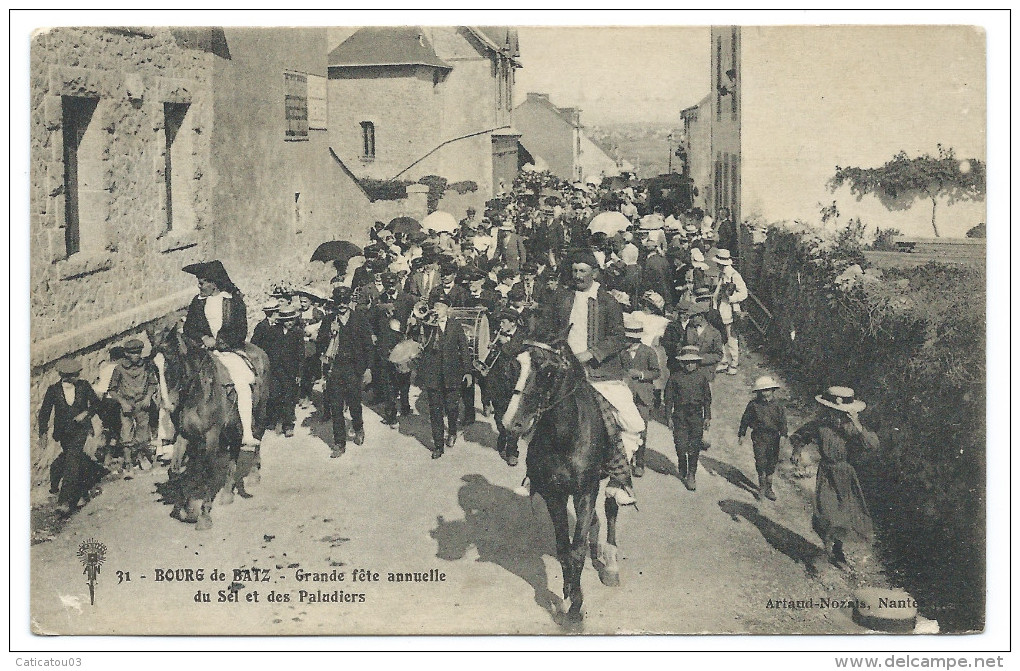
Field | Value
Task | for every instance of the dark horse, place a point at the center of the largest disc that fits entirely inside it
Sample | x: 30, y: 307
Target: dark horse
x: 555, y: 403
x: 204, y: 410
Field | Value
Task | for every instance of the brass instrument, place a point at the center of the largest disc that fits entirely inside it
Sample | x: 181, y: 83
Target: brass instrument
x: 495, y: 350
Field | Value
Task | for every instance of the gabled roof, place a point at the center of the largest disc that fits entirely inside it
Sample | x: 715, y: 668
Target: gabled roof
x: 394, y: 45
x: 501, y: 39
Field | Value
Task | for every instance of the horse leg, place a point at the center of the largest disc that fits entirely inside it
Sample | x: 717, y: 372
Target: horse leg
x: 216, y: 468
x: 594, y: 546
x: 610, y: 573
x: 255, y: 474
x: 180, y: 448
x: 557, y: 505
x: 584, y: 507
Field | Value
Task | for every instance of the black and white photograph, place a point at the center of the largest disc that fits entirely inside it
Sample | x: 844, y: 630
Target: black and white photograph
x: 512, y: 329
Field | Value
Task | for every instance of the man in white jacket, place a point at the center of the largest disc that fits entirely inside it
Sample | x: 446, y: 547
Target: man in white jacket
x: 730, y: 292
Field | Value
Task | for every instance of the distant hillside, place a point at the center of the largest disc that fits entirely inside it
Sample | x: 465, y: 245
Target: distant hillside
x: 644, y: 144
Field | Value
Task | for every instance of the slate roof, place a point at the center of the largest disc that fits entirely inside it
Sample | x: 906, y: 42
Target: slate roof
x: 394, y: 45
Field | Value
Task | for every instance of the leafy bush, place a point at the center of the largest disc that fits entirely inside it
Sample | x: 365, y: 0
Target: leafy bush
x: 466, y: 186
x: 977, y: 231
x: 437, y: 187
x: 912, y: 343
x: 385, y: 189
x: 885, y: 240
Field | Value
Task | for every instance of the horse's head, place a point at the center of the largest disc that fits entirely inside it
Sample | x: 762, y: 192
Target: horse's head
x: 174, y: 348
x: 543, y: 370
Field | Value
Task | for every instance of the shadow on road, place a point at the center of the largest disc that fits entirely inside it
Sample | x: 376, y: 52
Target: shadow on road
x: 318, y: 425
x: 660, y: 463
x: 790, y: 543
x: 732, y: 474
x: 508, y: 530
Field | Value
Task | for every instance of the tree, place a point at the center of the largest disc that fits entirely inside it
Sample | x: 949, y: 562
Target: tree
x: 903, y: 180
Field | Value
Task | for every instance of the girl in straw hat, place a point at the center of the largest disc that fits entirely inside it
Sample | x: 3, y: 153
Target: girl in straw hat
x: 840, y: 512
x: 766, y: 418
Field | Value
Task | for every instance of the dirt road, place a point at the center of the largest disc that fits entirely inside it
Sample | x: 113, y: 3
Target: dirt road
x: 715, y: 560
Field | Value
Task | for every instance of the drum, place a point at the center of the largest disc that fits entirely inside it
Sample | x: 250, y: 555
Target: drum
x: 475, y: 323
x: 403, y: 354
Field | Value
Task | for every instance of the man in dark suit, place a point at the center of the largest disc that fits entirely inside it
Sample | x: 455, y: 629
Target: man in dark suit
x: 388, y: 321
x: 346, y: 343
x: 593, y: 321
x: 444, y: 366
x: 656, y: 273
x: 691, y: 328
x: 510, y: 247
x: 71, y: 402
x: 454, y: 295
x: 284, y: 345
x: 425, y: 278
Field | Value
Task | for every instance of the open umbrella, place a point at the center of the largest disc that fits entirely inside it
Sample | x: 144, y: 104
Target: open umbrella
x: 609, y: 223
x: 440, y: 221
x: 404, y: 225
x: 336, y: 250
x: 651, y: 222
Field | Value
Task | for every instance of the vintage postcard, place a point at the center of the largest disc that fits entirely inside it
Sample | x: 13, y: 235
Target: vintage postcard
x: 507, y: 330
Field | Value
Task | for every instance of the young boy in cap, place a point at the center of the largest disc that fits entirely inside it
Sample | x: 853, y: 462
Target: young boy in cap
x: 134, y: 386
x: 688, y: 403
x: 642, y: 366
x: 71, y: 402
x: 766, y: 418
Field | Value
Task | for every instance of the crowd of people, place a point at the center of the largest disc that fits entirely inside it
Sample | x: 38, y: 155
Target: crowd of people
x: 650, y: 305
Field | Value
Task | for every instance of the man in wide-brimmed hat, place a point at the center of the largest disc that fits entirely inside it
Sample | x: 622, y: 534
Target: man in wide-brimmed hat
x: 840, y: 511
x: 688, y: 403
x: 593, y: 321
x: 284, y: 344
x: 218, y: 320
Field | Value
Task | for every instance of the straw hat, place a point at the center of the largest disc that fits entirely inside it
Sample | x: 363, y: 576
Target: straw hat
x: 633, y: 326
x: 765, y: 382
x: 841, y: 398
x: 690, y: 353
x: 69, y: 366
x: 723, y: 258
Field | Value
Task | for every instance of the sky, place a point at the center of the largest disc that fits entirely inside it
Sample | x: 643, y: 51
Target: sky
x: 616, y: 74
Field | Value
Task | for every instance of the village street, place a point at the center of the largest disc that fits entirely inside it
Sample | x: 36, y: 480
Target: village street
x: 704, y: 561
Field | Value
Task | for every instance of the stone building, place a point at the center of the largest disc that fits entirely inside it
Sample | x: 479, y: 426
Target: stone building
x: 555, y: 139
x: 155, y: 148
x: 696, y: 146
x: 405, y: 102
x: 787, y: 104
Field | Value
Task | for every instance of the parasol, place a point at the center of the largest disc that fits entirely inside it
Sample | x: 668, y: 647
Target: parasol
x: 609, y: 223
x: 336, y: 250
x: 404, y: 225
x: 440, y: 221
x: 651, y: 222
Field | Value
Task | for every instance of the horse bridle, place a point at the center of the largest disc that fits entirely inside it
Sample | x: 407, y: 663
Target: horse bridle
x: 545, y: 406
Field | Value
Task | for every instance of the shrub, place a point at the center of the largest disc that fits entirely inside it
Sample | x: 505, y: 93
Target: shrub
x: 437, y: 187
x: 466, y: 186
x: 912, y: 343
x: 385, y: 189
x: 977, y: 231
x: 885, y: 240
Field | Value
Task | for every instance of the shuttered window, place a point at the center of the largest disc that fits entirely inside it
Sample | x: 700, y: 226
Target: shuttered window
x: 296, y: 105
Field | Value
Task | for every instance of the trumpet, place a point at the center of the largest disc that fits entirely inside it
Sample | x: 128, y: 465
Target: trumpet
x: 483, y: 367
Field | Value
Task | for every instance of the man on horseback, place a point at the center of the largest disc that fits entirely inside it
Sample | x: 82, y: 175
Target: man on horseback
x: 217, y: 320
x: 595, y: 334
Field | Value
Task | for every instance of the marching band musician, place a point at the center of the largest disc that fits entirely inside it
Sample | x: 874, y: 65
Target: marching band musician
x: 444, y: 365
x: 500, y: 371
x: 388, y: 320
x: 347, y: 346
x: 309, y: 318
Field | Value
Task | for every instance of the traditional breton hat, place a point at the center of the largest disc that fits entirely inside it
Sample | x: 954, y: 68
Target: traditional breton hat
x: 723, y: 258
x: 69, y: 366
x: 765, y: 382
x: 584, y: 256
x: 702, y: 294
x: 134, y: 346
x: 287, y: 312
x: 343, y: 294
x: 841, y: 398
x: 633, y: 326
x: 212, y: 271
x: 690, y: 353
x: 510, y: 315
x: 272, y: 305
x: 686, y: 307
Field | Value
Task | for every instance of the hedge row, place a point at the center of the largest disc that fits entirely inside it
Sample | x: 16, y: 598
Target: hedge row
x: 911, y: 342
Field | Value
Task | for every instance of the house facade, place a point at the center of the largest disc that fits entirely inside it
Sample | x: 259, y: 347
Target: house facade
x: 790, y: 103
x: 155, y: 148
x: 406, y: 102
x: 555, y: 139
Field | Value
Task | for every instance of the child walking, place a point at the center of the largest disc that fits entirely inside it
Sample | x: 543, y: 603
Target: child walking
x: 766, y: 418
x: 688, y: 403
